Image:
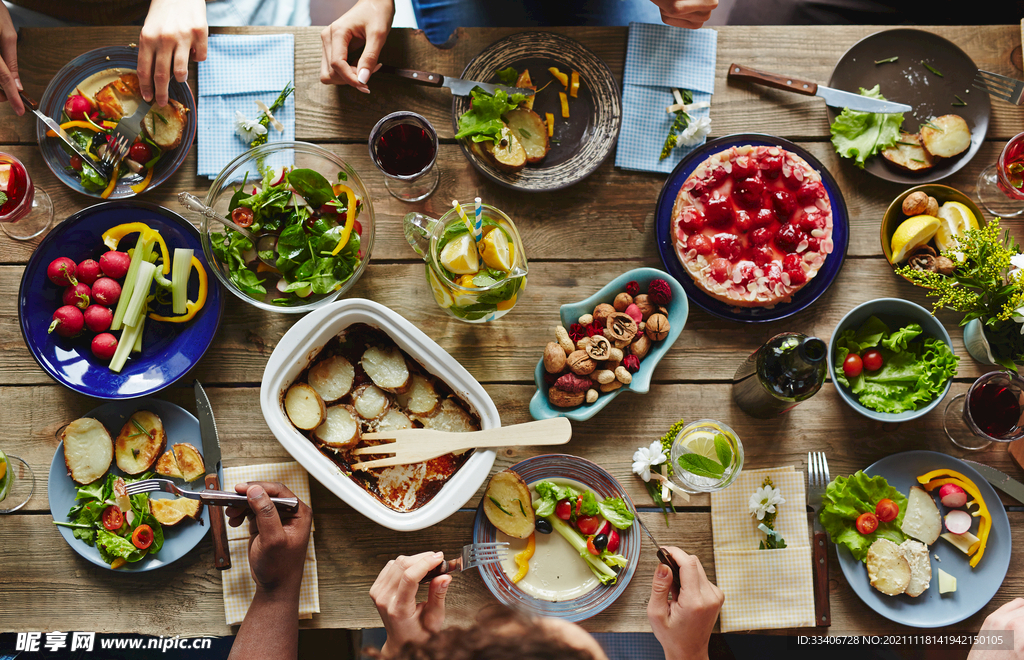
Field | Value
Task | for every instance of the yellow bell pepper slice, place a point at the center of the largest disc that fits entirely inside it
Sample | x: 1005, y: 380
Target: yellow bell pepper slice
x: 110, y: 186
x: 574, y: 86
x: 523, y: 559
x: 551, y: 123
x: 561, y: 77
x: 113, y: 236
x: 192, y: 308
x: 565, y: 104
x: 81, y: 124
x: 350, y: 216
x: 142, y: 185
x: 937, y: 478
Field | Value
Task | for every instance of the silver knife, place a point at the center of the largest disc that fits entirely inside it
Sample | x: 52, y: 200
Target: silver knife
x: 1000, y: 480
x: 836, y: 98
x: 63, y: 135
x: 458, y: 86
x: 211, y: 457
x: 663, y: 556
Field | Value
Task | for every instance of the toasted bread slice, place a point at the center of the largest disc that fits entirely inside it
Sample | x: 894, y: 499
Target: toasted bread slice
x: 387, y: 369
x: 171, y: 511
x: 304, y: 407
x: 916, y: 554
x: 167, y: 466
x: 332, y: 378
x: 369, y: 401
x: 922, y: 520
x: 166, y: 125
x: 531, y: 131
x: 190, y: 461
x: 340, y: 428
x: 908, y: 154
x: 140, y: 442
x: 507, y: 504
x: 111, y: 98
x: 888, y: 569
x: 421, y: 399
x: 450, y: 417
x: 88, y: 450
x: 946, y: 136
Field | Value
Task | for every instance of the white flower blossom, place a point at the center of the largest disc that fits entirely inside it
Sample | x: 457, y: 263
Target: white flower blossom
x: 248, y: 129
x: 697, y: 130
x: 1017, y: 261
x: 764, y: 500
x: 645, y: 458
x: 1018, y: 314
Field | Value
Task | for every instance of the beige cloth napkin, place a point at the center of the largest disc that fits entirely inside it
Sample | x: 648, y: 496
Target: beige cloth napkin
x: 763, y: 589
x: 237, y: 582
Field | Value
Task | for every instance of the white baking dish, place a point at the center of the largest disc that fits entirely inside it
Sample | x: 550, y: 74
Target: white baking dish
x: 297, y: 349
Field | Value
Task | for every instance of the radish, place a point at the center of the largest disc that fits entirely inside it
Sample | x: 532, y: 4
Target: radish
x: 279, y: 176
x: 88, y: 271
x: 958, y: 522
x: 115, y: 264
x: 61, y: 272
x: 98, y: 318
x: 77, y: 107
x: 605, y: 528
x: 952, y: 496
x: 77, y: 295
x: 67, y: 321
x: 613, y: 541
x: 104, y: 346
x: 106, y: 291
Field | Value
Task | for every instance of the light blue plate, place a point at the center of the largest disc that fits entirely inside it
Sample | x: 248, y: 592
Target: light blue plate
x: 641, y: 383
x: 975, y: 587
x: 180, y: 426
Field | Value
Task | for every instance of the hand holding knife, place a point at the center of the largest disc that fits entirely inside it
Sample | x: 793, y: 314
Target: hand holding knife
x: 663, y: 555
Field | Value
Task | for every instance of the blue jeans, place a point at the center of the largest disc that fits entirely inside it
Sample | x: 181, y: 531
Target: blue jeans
x: 439, y: 18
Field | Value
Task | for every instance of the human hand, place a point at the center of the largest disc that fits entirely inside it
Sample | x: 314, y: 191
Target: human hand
x: 1008, y: 618
x: 686, y: 13
x: 684, y: 624
x: 368, y: 21
x: 394, y: 594
x: 174, y: 30
x: 9, y: 81
x: 277, y: 547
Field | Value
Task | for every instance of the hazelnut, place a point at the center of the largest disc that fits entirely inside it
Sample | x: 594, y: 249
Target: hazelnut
x: 623, y: 376
x: 915, y: 203
x: 564, y: 340
x: 602, y: 312
x: 622, y: 301
x: 586, y: 319
x: 641, y: 347
x: 657, y: 327
x: 612, y: 386
x: 563, y: 399
x: 580, y: 363
x: 933, y: 207
x: 591, y: 396
x: 554, y: 358
x: 944, y: 266
x: 600, y: 348
x: 620, y: 327
x: 604, y: 376
x: 615, y: 355
x: 644, y: 303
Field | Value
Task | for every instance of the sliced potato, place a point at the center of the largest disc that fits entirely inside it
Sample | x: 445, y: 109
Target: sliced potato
x: 394, y: 420
x: 421, y: 399
x: 507, y: 155
x: 451, y: 417
x: 140, y: 443
x: 304, y: 407
x: 189, y: 460
x: 909, y: 155
x: 340, y: 428
x: 167, y: 466
x: 524, y: 82
x: 332, y: 378
x: 88, y: 450
x: 370, y: 401
x: 888, y: 569
x: 507, y: 504
x: 946, y: 136
x: 531, y: 131
x: 171, y: 511
x: 166, y: 125
x: 387, y: 369
x: 922, y: 520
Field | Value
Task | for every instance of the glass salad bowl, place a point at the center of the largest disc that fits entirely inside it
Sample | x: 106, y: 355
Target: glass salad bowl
x: 299, y: 265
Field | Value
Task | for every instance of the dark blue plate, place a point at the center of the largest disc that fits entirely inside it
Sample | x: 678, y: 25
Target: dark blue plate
x: 802, y: 298
x: 168, y: 349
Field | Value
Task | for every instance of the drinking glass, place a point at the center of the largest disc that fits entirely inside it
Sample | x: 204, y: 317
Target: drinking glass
x: 17, y: 484
x: 990, y: 411
x: 1001, y: 186
x: 403, y: 145
x: 698, y: 438
x: 27, y: 211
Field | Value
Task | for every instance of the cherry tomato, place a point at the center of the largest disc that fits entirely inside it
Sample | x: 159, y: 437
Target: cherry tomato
x: 140, y: 152
x: 867, y: 523
x: 563, y: 510
x: 357, y: 228
x: 853, y: 365
x: 588, y: 525
x: 76, y: 163
x: 113, y: 518
x: 887, y: 510
x: 591, y: 547
x: 873, y: 360
x: 242, y: 216
x: 142, y: 537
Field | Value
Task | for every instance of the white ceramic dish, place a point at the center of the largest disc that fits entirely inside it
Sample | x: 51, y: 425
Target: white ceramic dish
x: 297, y: 349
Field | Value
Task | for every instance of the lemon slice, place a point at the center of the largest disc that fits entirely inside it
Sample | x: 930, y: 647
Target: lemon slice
x: 702, y: 443
x: 496, y: 250
x: 6, y: 477
x: 955, y: 219
x: 912, y: 234
x: 460, y: 257
x: 441, y: 295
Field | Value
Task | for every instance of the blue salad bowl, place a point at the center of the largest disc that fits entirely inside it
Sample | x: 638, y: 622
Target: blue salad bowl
x: 169, y: 350
x: 895, y: 313
x: 541, y: 408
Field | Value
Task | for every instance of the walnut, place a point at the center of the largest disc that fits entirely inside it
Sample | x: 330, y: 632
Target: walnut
x: 657, y: 327
x: 644, y: 303
x: 563, y: 399
x: 933, y: 207
x: 623, y: 376
x: 602, y: 312
x: 641, y: 347
x: 924, y: 258
x: 564, y: 340
x: 554, y: 358
x: 592, y: 396
x: 622, y: 301
x: 620, y: 327
x: 586, y: 319
x: 572, y: 383
x: 944, y: 265
x: 600, y: 348
x: 580, y: 363
x: 915, y: 203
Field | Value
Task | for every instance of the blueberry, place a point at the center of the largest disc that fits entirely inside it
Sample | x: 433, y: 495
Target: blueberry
x: 544, y: 527
x: 601, y: 542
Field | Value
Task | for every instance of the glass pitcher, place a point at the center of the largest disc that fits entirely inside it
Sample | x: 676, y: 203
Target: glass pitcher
x: 473, y: 281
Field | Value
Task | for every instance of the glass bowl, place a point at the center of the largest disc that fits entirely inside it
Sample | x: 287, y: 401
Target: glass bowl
x: 247, y: 167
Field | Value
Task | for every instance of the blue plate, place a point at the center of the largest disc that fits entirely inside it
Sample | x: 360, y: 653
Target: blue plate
x: 64, y: 84
x: 975, y: 587
x: 169, y: 350
x: 802, y: 298
x: 180, y: 426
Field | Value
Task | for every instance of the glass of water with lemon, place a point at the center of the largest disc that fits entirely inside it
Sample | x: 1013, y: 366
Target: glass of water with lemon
x: 17, y: 483
x: 473, y: 280
x: 706, y: 456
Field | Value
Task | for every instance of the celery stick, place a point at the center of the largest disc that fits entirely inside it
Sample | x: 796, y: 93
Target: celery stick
x: 139, y: 254
x: 603, y: 572
x: 137, y: 346
x: 180, y: 271
x: 124, y: 347
x: 140, y: 291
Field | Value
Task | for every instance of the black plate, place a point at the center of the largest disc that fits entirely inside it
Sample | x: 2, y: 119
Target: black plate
x: 908, y: 81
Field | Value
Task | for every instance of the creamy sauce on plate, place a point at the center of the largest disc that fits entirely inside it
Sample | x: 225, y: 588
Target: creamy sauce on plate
x: 97, y: 81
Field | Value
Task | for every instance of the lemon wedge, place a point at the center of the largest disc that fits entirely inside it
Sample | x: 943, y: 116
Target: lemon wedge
x: 441, y: 295
x: 5, y: 478
x: 955, y: 219
x: 702, y: 443
x: 912, y: 234
x: 459, y: 256
x: 496, y: 250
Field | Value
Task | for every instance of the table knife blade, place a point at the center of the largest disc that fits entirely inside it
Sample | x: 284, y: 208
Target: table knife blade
x: 1000, y: 480
x: 212, y: 458
x: 836, y: 98
x: 458, y: 86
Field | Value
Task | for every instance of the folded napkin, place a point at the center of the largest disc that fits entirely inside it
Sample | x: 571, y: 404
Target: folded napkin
x: 763, y: 589
x: 237, y: 582
x: 238, y: 71
x: 658, y: 59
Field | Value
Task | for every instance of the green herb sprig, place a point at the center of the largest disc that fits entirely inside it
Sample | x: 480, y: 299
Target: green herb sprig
x: 932, y: 69
x: 265, y: 119
x: 888, y: 60
x: 679, y: 125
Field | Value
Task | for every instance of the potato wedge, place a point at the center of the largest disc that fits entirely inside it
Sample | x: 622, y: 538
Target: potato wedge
x: 421, y: 399
x: 171, y: 511
x: 387, y: 369
x: 888, y: 569
x: 167, y: 466
x: 531, y: 131
x: 508, y: 155
x: 304, y: 407
x: 189, y: 461
x: 370, y: 401
x: 946, y: 136
x: 340, y: 428
x: 88, y: 450
x: 140, y: 443
x: 332, y: 378
x: 451, y: 417
x: 908, y: 154
x: 524, y: 82
x: 165, y: 126
x: 507, y: 504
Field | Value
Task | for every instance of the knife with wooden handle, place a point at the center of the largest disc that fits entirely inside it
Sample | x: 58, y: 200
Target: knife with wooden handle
x: 211, y: 456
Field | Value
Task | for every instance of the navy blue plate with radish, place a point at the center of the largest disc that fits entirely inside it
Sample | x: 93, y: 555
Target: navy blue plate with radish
x: 169, y: 350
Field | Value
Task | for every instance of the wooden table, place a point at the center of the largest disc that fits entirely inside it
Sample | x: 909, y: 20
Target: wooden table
x: 609, y: 218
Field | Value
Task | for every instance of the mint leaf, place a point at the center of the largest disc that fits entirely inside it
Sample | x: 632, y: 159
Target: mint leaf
x: 723, y: 450
x: 701, y: 466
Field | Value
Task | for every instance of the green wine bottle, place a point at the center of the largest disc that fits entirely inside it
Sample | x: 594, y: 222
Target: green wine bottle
x: 787, y: 369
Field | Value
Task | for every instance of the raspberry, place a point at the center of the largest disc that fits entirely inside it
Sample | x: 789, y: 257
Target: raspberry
x: 720, y: 270
x: 765, y: 217
x: 797, y: 276
x: 633, y: 288
x: 719, y: 212
x: 810, y: 192
x: 763, y: 255
x: 771, y: 165
x: 787, y: 237
x: 744, y: 222
x: 785, y: 204
x: 761, y: 236
x: 748, y: 192
x: 792, y: 262
x: 631, y: 363
x: 811, y: 221
x: 700, y: 243
x: 691, y: 221
x: 659, y: 292
x: 727, y: 245
x: 743, y: 167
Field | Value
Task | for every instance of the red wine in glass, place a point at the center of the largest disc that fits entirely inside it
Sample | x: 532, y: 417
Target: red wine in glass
x: 1011, y: 166
x: 995, y: 409
x: 404, y: 150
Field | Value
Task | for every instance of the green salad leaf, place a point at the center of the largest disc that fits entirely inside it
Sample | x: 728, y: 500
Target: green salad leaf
x: 848, y: 497
x: 483, y: 119
x: 508, y: 76
x: 860, y: 135
x: 615, y: 511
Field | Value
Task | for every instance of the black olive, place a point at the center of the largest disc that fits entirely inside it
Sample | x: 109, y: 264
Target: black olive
x: 98, y: 139
x: 601, y: 542
x: 544, y: 527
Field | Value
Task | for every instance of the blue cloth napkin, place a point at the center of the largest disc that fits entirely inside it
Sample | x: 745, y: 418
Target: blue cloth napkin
x: 240, y: 70
x: 658, y: 59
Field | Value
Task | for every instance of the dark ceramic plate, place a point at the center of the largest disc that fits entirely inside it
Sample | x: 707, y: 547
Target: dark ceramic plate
x: 584, y: 140
x: 908, y: 81
x: 802, y: 298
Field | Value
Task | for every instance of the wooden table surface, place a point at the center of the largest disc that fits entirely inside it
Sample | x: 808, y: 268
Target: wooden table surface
x: 577, y: 239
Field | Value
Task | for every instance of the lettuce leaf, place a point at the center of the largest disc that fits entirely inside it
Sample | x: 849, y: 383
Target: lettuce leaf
x: 848, y: 497
x: 860, y: 135
x: 615, y: 511
x: 483, y: 119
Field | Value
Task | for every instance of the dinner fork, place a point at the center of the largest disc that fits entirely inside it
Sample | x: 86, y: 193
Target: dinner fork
x: 125, y: 134
x: 817, y: 482
x: 473, y: 554
x: 1001, y: 87
x: 211, y: 497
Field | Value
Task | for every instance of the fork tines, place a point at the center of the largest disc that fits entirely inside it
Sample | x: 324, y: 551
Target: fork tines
x: 487, y: 553
x: 817, y: 469
x: 144, y: 486
x: 1002, y: 87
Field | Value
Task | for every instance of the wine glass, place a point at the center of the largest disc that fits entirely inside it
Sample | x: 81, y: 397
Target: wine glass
x: 17, y: 483
x: 403, y: 145
x: 1001, y: 186
x: 25, y: 211
x: 990, y: 411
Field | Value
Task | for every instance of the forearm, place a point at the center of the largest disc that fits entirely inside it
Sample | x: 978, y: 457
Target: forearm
x: 271, y: 627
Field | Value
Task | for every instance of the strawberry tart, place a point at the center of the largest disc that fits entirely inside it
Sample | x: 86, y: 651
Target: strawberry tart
x: 752, y: 225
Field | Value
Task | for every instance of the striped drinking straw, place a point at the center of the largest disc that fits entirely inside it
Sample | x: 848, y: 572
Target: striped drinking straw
x: 465, y: 218
x: 478, y: 225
